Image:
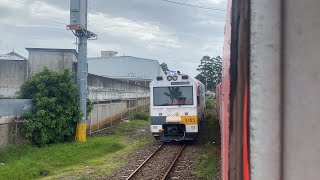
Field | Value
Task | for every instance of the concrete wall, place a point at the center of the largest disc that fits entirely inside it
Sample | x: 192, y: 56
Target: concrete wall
x: 284, y: 95
x: 301, y: 75
x: 105, y: 114
x: 9, y: 133
x: 10, y: 110
x: 102, y: 88
x: 4, y: 130
x: 114, y: 100
x: 265, y: 88
x: 108, y: 113
x: 12, y: 75
x: 53, y: 59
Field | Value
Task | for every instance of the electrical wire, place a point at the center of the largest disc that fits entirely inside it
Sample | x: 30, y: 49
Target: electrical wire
x: 194, y: 6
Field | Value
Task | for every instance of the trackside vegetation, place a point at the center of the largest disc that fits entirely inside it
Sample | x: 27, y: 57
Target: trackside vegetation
x: 55, y: 109
x: 209, y: 166
x: 141, y: 116
x: 96, y: 158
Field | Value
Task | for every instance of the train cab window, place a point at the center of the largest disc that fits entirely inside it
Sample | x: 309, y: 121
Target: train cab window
x: 198, y: 100
x: 173, y: 95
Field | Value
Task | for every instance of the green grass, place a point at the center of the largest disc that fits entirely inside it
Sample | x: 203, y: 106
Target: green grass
x: 141, y: 116
x: 94, y: 158
x: 30, y: 162
x: 209, y: 166
x: 125, y: 127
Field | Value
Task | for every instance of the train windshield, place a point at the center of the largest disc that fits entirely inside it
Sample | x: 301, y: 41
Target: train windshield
x: 172, y: 96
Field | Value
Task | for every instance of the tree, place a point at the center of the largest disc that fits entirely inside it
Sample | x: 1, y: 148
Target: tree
x: 164, y: 67
x: 210, y: 71
x: 55, y: 109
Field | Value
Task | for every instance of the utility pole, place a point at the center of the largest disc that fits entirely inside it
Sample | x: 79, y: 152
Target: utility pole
x: 78, y: 26
x: 206, y: 84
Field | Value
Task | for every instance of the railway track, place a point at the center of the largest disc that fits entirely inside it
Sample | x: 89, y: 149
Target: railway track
x: 174, y: 151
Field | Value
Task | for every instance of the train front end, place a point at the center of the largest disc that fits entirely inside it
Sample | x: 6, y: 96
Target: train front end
x: 176, y: 107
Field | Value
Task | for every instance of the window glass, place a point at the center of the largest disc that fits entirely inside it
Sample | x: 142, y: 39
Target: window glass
x: 174, y: 95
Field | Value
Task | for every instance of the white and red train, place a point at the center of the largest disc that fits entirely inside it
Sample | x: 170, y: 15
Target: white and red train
x: 177, y: 104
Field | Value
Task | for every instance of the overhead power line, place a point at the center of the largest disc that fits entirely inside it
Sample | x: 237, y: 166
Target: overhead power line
x: 194, y: 6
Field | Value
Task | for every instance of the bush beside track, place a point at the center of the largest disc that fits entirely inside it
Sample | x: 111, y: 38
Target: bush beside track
x: 209, y: 166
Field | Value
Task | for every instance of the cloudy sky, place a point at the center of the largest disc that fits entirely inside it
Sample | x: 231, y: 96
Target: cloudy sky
x: 177, y: 35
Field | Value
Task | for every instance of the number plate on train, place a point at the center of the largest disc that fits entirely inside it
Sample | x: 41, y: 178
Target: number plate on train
x: 189, y: 120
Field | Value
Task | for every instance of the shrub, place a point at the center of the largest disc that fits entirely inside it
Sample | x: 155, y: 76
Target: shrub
x: 140, y: 116
x: 55, y: 109
x: 210, y: 101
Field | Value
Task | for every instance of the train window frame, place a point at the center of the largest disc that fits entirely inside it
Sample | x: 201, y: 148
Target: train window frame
x: 192, y: 98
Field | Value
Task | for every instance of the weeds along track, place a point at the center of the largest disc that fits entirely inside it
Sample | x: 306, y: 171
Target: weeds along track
x: 159, y: 163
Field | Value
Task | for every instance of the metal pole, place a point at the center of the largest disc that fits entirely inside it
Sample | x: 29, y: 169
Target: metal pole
x: 98, y: 116
x: 145, y: 101
x: 129, y: 107
x: 78, y: 25
x: 137, y: 106
x: 82, y: 87
x: 111, y: 111
x: 121, y: 108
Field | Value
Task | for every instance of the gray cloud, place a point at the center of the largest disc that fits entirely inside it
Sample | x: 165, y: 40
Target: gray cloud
x: 174, y: 34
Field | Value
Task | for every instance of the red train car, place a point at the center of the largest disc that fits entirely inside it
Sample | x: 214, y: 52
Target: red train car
x: 268, y: 99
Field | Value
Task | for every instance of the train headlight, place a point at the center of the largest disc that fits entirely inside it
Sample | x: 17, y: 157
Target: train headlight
x: 169, y: 78
x: 175, y: 77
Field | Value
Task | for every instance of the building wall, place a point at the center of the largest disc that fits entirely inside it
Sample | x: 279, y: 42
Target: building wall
x: 109, y: 113
x: 102, y: 88
x: 12, y: 75
x: 52, y: 59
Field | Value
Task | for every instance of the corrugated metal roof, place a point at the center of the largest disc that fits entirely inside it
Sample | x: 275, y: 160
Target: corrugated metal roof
x: 125, y: 67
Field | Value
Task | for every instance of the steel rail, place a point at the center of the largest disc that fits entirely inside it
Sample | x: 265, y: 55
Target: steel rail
x: 144, y: 162
x: 173, y: 163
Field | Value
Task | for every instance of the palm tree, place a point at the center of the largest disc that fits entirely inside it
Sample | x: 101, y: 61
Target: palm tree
x: 174, y: 93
